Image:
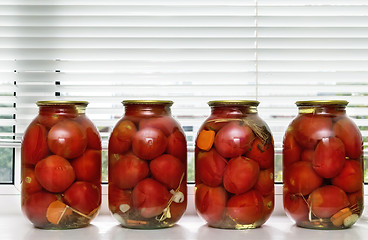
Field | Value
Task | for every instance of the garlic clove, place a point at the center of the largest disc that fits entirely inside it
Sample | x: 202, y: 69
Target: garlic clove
x: 178, y: 197
x: 124, y: 208
x: 119, y: 218
x: 168, y: 213
x: 349, y: 221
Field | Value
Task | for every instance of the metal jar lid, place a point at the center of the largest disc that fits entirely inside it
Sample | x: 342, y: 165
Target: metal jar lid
x: 322, y: 103
x: 253, y: 103
x: 162, y: 102
x: 62, y: 102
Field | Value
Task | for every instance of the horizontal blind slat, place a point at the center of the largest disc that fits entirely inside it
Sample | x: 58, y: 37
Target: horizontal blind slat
x: 313, y: 10
x: 130, y: 2
x: 126, y: 43
x: 130, y: 32
x: 142, y: 21
x: 126, y: 10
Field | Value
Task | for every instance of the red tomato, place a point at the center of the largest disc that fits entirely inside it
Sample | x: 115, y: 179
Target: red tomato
x: 234, y: 139
x: 166, y: 124
x: 50, y: 119
x: 35, y: 207
x: 150, y: 198
x: 83, y: 196
x: 88, y: 166
x: 291, y: 150
x: 93, y: 137
x: 308, y: 155
x: 177, y: 145
x: 121, y: 137
x: 309, y: 129
x: 350, y: 179
x: 34, y: 145
x: 168, y: 170
x: 55, y: 173
x: 67, y: 139
x: 263, y: 154
x: 149, y: 143
x: 296, y: 207
x: 328, y: 200
x: 119, y: 199
x: 356, y: 200
x: 265, y: 182
x: 268, y: 206
x: 210, y: 167
x: 128, y: 171
x: 240, y: 175
x: 50, y: 115
x: 350, y: 135
x: 210, y: 203
x: 29, y: 182
x: 213, y: 124
x: 301, y: 178
x: 177, y: 209
x: 329, y: 157
x: 246, y: 208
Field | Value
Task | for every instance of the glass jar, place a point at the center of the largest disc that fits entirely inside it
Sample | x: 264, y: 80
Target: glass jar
x: 61, y: 167
x: 323, y: 167
x: 147, y: 166
x: 234, y: 166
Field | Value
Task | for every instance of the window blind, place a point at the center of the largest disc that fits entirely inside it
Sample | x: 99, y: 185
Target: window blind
x: 311, y: 50
x: 274, y: 51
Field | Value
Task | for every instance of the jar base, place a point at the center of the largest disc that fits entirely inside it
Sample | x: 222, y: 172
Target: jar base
x: 63, y: 227
x: 236, y: 227
x: 148, y: 227
x: 142, y: 223
x: 229, y: 223
x: 320, y: 225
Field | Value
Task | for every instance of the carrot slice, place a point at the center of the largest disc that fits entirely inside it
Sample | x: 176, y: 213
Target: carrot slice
x: 338, y: 218
x: 205, y: 139
x: 56, y: 211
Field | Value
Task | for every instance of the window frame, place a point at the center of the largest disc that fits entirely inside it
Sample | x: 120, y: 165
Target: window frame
x: 14, y: 188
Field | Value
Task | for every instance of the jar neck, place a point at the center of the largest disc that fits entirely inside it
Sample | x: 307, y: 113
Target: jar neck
x: 70, y: 109
x: 147, y: 110
x: 233, y: 111
x: 325, y: 109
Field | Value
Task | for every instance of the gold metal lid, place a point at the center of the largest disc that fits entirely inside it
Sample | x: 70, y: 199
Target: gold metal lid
x: 234, y: 102
x: 61, y: 102
x: 165, y: 102
x: 322, y: 103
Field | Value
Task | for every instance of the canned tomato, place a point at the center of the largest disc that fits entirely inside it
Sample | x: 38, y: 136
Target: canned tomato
x: 147, y: 166
x: 61, y: 167
x: 323, y: 166
x: 234, y: 166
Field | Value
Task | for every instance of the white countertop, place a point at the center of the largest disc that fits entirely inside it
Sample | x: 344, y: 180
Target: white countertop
x: 15, y: 226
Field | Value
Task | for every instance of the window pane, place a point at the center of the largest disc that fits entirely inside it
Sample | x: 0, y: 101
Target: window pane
x: 190, y: 170
x: 6, y: 154
x: 104, y: 176
x: 6, y: 165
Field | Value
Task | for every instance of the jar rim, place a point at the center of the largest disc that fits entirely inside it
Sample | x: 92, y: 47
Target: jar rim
x: 234, y: 102
x: 321, y: 102
x: 165, y: 102
x: 61, y: 102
